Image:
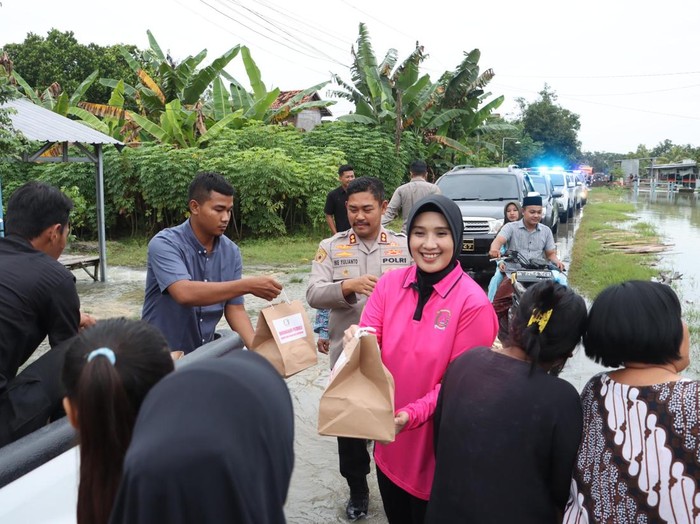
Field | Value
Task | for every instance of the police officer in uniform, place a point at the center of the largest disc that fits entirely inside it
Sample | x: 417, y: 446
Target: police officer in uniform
x: 343, y: 275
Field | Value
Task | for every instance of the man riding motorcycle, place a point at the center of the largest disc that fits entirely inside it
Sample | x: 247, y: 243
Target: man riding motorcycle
x: 532, y: 240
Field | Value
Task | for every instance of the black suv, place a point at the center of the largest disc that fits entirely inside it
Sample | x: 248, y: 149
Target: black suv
x: 482, y: 193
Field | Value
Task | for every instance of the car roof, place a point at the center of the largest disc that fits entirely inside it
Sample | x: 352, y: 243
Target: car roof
x: 485, y: 171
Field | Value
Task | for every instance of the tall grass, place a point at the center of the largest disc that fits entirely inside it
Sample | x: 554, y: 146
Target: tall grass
x: 596, y: 262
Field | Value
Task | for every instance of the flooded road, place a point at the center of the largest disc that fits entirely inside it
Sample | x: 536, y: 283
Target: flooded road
x: 317, y: 493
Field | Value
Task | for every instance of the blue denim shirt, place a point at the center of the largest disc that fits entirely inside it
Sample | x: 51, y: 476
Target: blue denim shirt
x: 175, y: 254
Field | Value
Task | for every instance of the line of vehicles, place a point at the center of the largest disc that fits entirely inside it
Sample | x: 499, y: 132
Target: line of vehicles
x: 483, y: 192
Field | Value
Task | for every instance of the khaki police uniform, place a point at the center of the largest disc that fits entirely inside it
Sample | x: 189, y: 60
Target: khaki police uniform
x: 339, y: 258
x: 344, y: 256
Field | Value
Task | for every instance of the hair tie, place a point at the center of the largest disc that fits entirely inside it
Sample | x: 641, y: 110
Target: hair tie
x: 102, y: 352
x: 540, y: 319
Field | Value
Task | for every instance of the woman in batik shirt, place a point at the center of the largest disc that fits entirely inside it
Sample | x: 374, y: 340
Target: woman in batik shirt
x: 639, y: 458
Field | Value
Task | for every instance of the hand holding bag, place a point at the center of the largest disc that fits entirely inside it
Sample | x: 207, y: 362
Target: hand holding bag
x: 359, y: 399
x: 284, y: 337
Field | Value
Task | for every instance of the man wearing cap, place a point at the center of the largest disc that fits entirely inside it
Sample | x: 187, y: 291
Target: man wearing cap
x: 527, y: 235
x: 530, y: 238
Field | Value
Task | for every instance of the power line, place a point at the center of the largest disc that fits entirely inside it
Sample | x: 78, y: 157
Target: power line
x: 635, y: 93
x: 568, y: 97
x: 281, y: 31
x: 257, y: 32
x: 686, y: 117
x: 243, y: 40
x: 586, y: 77
x: 288, y: 15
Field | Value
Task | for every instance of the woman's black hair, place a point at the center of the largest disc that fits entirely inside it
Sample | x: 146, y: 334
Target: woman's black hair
x: 505, y: 211
x: 636, y: 321
x: 556, y: 337
x: 106, y: 398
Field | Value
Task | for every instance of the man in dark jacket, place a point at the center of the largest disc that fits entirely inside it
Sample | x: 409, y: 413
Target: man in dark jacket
x: 38, y: 298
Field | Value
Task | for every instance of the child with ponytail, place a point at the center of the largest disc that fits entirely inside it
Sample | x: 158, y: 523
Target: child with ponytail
x: 504, y: 417
x: 108, y: 370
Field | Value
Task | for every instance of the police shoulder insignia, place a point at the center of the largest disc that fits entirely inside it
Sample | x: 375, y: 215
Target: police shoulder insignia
x: 353, y: 238
x: 320, y: 255
x: 382, y: 237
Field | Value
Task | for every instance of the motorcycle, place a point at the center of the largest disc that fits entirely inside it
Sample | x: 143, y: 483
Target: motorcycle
x: 526, y: 273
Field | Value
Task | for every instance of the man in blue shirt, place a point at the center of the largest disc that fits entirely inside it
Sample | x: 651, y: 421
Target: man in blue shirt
x: 194, y: 272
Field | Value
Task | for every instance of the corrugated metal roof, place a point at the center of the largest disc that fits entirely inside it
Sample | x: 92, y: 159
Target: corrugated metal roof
x: 43, y: 125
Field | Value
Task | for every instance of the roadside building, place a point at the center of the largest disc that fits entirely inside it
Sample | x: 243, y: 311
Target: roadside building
x: 305, y: 119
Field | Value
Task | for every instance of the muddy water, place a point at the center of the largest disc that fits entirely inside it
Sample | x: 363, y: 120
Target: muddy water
x: 317, y: 493
x: 676, y: 217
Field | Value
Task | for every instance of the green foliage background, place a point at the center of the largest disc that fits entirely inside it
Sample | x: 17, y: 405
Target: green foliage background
x: 281, y: 176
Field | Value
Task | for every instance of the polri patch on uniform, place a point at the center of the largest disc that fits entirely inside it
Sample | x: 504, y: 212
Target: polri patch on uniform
x: 320, y: 255
x: 395, y: 261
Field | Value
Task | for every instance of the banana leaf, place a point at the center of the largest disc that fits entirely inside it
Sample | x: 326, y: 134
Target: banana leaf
x: 171, y: 121
x: 60, y: 105
x: 444, y: 117
x: 358, y: 119
x: 148, y: 82
x: 240, y: 98
x: 116, y: 99
x: 410, y: 94
x: 189, y: 64
x: 151, y: 128
x: 89, y: 119
x: 449, y: 142
x: 129, y: 90
x: 251, y: 68
x: 235, y: 118
x: 220, y: 100
x: 261, y: 106
x: 154, y: 46
x: 133, y: 64
x: 83, y: 87
x: 199, y: 83
x: 310, y: 105
x: 28, y: 90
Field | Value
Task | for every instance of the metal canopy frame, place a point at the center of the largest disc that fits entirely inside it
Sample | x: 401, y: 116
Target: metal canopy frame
x: 39, y: 124
x: 95, y: 158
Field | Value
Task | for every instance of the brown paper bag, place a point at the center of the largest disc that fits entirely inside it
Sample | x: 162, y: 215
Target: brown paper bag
x: 359, y: 399
x: 283, y: 336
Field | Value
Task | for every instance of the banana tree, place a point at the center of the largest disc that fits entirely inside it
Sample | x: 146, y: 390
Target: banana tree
x: 444, y: 112
x: 53, y: 97
x: 259, y: 105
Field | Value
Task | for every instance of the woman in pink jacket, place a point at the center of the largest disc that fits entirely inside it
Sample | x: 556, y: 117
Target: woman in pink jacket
x: 425, y: 315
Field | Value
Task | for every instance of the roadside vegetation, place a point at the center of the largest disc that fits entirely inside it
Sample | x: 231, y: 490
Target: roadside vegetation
x: 612, y: 246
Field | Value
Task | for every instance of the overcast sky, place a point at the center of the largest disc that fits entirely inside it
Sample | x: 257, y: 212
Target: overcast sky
x: 630, y: 69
